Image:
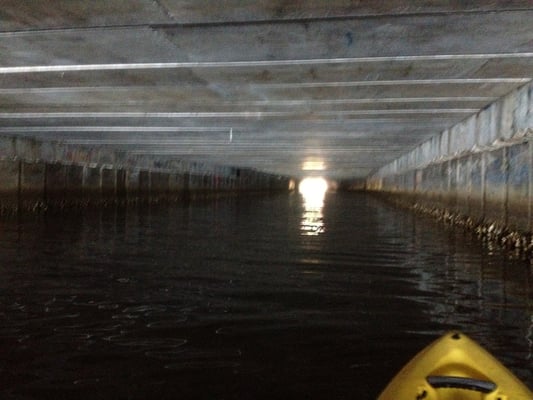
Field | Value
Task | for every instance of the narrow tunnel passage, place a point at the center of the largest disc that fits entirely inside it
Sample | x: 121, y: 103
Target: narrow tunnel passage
x: 153, y: 243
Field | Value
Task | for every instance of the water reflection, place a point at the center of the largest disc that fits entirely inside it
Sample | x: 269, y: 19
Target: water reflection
x: 219, y: 299
x: 313, y: 191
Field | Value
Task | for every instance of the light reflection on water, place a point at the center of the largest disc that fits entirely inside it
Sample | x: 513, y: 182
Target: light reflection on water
x: 226, y: 299
x: 313, y: 191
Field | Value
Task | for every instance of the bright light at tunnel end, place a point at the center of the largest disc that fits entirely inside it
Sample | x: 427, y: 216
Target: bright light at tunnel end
x: 313, y: 187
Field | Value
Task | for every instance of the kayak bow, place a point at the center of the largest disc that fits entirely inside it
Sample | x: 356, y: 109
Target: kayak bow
x: 455, y: 368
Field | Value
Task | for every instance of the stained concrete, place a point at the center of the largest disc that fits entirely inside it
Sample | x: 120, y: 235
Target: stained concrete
x: 481, y: 168
x: 34, y: 179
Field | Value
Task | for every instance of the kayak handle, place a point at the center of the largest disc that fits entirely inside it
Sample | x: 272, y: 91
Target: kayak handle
x: 459, y: 382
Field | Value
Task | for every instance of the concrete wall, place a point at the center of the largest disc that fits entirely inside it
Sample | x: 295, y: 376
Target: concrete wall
x: 40, y: 175
x: 481, y: 168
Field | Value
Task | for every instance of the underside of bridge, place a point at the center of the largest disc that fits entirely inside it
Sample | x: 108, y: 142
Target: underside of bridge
x: 254, y: 93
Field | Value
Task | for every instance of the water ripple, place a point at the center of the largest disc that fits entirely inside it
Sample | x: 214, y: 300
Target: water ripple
x: 227, y: 299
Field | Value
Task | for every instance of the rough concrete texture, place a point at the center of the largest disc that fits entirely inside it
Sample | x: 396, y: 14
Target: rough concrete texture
x: 74, y: 183
x: 481, y: 168
x: 120, y: 183
x: 108, y: 183
x: 39, y: 181
x: 335, y: 88
x: 32, y: 185
x: 91, y: 183
x: 159, y: 183
x: 55, y: 182
x: 518, y: 186
x: 9, y: 190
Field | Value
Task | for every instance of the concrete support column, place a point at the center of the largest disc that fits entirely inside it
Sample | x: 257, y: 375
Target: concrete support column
x: 145, y: 184
x: 74, y: 183
x: 476, y: 203
x: 92, y: 183
x: 452, y: 184
x: 120, y: 184
x: 32, y: 185
x: 10, y: 187
x: 108, y: 183
x: 132, y: 184
x: 518, y: 198
x: 55, y: 183
x: 159, y: 184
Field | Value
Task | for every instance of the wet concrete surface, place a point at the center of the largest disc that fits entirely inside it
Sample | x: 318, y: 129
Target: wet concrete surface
x: 245, y: 297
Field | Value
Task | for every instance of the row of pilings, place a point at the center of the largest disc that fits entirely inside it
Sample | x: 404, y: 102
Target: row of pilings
x: 37, y: 176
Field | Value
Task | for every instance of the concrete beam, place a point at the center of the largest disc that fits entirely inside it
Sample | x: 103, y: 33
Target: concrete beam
x: 260, y: 85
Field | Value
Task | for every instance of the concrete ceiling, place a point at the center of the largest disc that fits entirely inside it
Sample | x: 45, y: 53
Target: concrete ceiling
x: 339, y: 87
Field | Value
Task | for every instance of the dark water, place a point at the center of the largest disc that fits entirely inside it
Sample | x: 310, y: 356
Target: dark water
x: 245, y: 298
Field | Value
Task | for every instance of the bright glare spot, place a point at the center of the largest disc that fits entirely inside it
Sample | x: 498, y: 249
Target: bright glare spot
x: 313, y: 187
x: 313, y: 191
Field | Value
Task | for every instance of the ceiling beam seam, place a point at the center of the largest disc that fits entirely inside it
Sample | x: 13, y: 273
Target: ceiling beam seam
x: 78, y: 89
x: 252, y: 63
x: 394, y: 82
x: 338, y: 18
x: 271, y: 21
x: 93, y: 128
x: 236, y: 114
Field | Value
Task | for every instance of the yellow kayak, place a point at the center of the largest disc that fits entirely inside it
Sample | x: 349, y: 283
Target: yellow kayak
x: 455, y: 368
